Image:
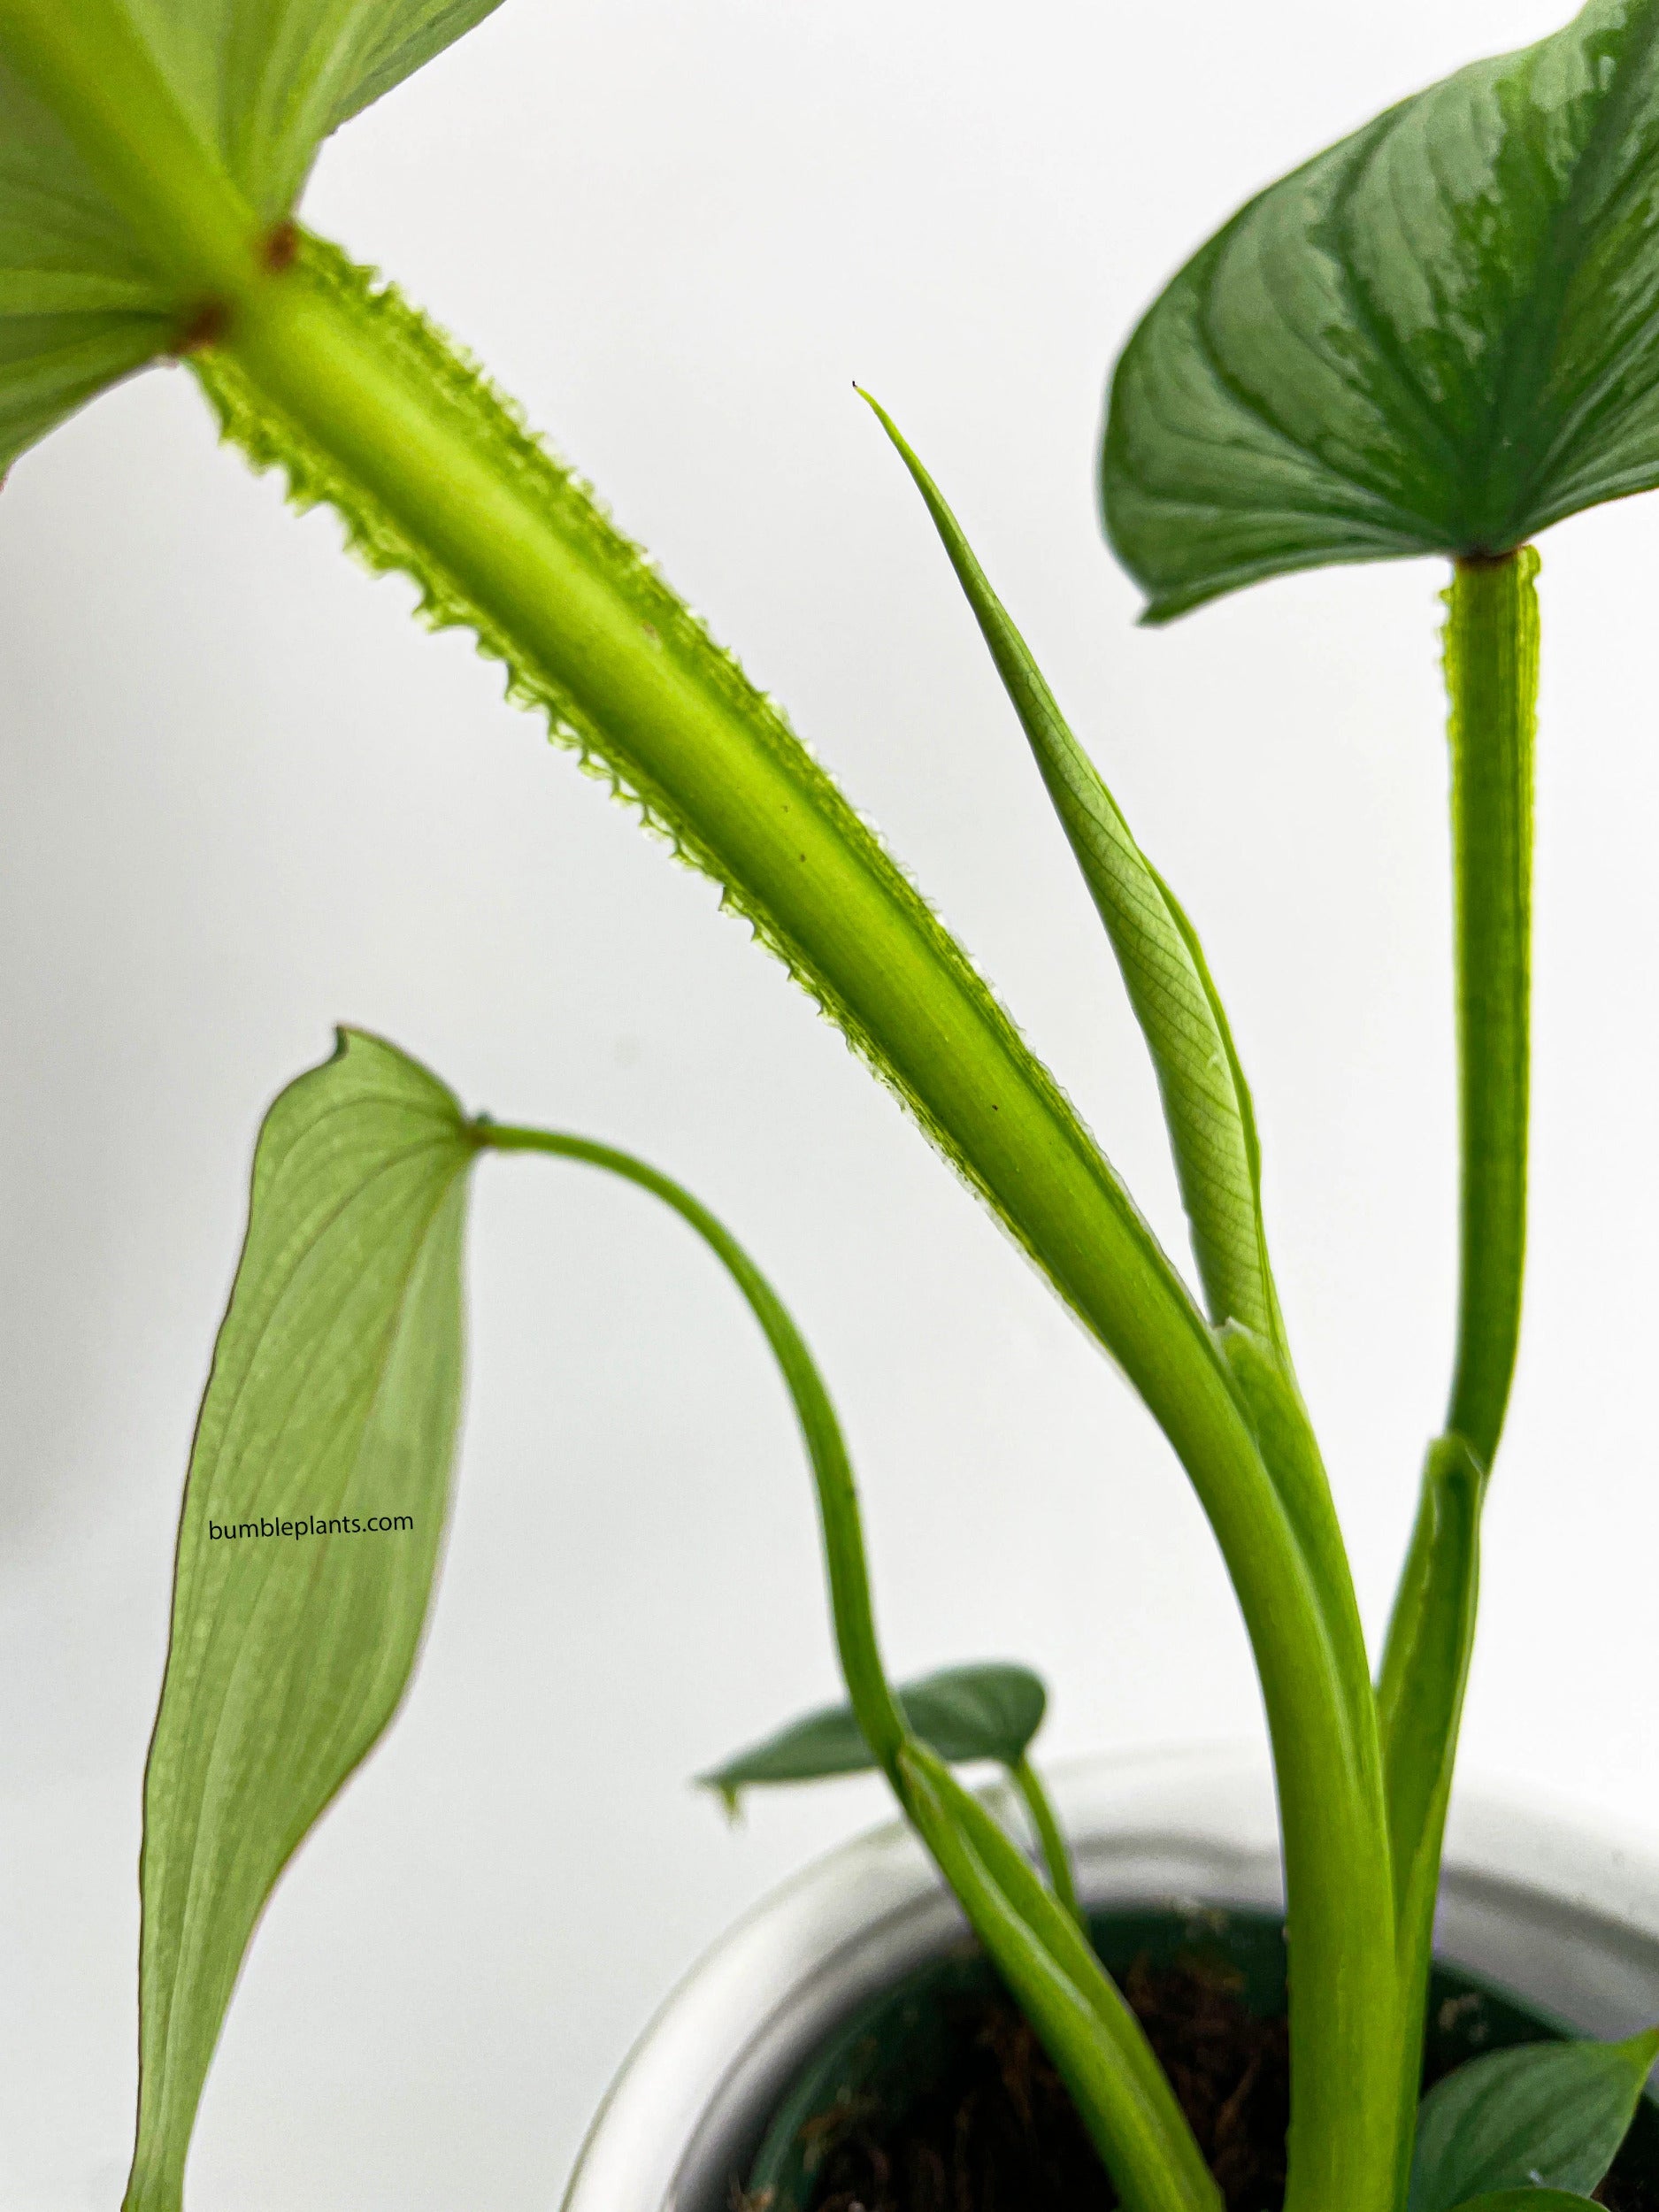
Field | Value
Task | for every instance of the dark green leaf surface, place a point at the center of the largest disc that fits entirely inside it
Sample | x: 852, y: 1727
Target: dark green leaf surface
x: 1546, y: 2115
x: 262, y: 82
x: 990, y: 1711
x: 1438, y: 336
x: 1527, y: 2201
x: 331, y: 1408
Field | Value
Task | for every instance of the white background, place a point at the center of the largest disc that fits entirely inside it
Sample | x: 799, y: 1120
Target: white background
x: 244, y: 796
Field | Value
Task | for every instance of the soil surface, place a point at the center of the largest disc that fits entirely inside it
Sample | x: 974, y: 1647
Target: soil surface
x: 1003, y: 2136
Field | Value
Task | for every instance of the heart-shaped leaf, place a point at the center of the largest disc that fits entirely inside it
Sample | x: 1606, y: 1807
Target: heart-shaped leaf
x: 1438, y: 336
x: 261, y: 83
x: 989, y: 1711
x: 1545, y: 2116
x: 314, y: 1516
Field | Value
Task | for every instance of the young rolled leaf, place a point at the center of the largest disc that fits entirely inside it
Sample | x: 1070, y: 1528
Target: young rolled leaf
x: 1425, y: 1666
x: 1206, y: 1100
x: 989, y: 1711
x: 313, y: 1518
x: 1546, y: 2115
x: 1439, y: 336
x: 1290, y: 1450
x: 1419, y: 1703
x: 85, y: 298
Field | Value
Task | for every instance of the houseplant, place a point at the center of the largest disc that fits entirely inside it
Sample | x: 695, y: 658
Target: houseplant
x: 151, y: 190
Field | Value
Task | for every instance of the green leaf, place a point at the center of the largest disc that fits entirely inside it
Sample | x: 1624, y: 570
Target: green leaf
x: 1527, y: 2201
x: 330, y: 1410
x: 1546, y: 2115
x: 990, y: 1711
x: 80, y: 306
x: 1206, y: 1100
x: 266, y: 81
x: 1439, y: 336
x: 259, y: 84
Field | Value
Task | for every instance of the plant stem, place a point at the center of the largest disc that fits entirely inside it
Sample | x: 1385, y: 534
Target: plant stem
x: 1492, y: 642
x: 1099, y: 2046
x: 1095, y: 2038
x: 853, y: 924
x: 855, y: 929
x: 878, y: 1713
x: 469, y: 511
x: 1050, y: 1838
x: 1492, y: 676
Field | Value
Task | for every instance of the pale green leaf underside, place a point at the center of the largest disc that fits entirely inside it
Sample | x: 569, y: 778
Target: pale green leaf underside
x: 78, y: 307
x: 263, y: 82
x: 1439, y: 336
x: 987, y: 1711
x: 266, y: 81
x: 332, y: 1398
x: 1546, y: 2115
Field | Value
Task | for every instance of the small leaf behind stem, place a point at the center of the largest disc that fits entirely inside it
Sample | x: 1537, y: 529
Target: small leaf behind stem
x: 988, y: 1711
x: 314, y: 1516
x: 1544, y: 2116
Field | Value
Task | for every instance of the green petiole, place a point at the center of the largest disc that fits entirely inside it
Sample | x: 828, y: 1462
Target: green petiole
x: 1050, y: 1840
x: 1035, y: 1938
x: 1491, y: 679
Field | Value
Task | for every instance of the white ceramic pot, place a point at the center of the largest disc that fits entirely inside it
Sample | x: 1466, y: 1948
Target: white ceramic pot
x: 1565, y: 1917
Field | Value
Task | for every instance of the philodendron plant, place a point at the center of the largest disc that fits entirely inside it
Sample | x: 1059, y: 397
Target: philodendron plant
x: 1437, y: 338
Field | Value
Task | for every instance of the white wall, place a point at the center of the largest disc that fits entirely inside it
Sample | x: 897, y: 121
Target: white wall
x: 244, y: 796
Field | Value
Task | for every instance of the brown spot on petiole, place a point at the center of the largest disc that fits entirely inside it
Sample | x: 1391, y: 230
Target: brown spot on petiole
x: 206, y: 327
x: 281, y: 248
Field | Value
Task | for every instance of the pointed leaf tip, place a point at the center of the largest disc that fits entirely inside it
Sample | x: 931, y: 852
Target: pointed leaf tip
x: 1206, y: 1100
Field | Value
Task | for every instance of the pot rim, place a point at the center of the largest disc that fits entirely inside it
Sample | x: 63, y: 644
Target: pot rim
x: 1577, y: 1904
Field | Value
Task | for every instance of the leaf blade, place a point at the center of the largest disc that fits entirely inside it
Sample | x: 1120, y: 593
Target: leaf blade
x: 1526, y: 2200
x: 251, y: 88
x: 989, y: 1710
x: 334, y: 1397
x: 1437, y: 336
x: 1545, y: 2116
x: 266, y: 81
